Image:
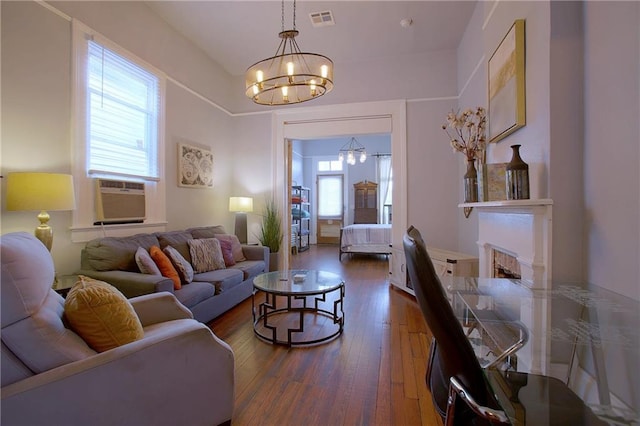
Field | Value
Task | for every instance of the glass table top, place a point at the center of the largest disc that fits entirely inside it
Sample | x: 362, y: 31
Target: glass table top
x: 297, y: 281
x: 586, y: 336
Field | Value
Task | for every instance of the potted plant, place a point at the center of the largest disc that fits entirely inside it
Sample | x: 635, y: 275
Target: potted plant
x: 271, y: 232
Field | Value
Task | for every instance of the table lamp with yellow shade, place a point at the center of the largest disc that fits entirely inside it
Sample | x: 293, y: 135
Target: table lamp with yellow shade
x: 28, y: 191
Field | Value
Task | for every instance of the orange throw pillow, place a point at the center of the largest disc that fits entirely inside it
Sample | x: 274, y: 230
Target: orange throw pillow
x: 166, y: 267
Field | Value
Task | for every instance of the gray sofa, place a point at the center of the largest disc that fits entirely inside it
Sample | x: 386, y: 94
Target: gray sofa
x: 112, y: 259
x: 179, y: 373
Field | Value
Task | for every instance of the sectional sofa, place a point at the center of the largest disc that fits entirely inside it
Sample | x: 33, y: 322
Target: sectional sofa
x: 211, y: 293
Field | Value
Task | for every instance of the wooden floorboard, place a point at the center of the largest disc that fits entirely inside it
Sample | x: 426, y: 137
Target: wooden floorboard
x: 371, y: 375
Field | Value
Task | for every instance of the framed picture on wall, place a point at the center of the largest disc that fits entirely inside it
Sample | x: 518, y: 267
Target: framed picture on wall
x: 195, y: 166
x: 506, y: 84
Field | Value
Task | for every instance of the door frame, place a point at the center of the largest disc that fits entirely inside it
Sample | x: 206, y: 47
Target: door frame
x: 335, y: 121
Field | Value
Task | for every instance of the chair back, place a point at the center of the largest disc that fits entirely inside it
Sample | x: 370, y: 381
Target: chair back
x: 454, y: 355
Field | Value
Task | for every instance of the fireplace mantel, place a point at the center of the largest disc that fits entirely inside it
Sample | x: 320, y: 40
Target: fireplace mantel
x: 521, y: 228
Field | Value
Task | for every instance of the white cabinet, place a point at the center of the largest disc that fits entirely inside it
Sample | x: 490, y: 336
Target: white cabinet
x: 453, y: 263
x: 446, y: 263
x: 397, y: 269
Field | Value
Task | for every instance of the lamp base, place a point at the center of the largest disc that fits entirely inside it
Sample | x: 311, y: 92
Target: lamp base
x: 241, y: 227
x: 44, y: 232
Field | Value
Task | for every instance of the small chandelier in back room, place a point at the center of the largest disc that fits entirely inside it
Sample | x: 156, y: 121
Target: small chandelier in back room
x: 351, y: 149
x: 291, y: 76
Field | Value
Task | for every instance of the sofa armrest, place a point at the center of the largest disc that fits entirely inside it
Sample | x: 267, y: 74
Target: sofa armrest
x: 256, y: 253
x: 159, y: 307
x: 134, y: 384
x: 131, y: 284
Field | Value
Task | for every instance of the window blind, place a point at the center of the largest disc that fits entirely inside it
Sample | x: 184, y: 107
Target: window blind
x: 123, y: 101
x: 330, y: 196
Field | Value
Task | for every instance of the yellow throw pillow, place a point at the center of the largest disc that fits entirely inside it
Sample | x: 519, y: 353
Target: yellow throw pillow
x: 101, y: 315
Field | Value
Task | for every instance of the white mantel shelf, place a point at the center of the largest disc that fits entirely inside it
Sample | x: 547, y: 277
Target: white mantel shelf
x: 510, y: 203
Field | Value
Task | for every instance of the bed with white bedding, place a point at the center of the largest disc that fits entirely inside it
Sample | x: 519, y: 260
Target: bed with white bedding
x: 365, y: 239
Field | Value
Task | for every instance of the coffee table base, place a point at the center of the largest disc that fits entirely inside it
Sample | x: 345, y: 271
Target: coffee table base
x: 265, y: 316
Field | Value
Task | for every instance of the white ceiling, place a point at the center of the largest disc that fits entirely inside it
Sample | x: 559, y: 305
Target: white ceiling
x: 238, y: 33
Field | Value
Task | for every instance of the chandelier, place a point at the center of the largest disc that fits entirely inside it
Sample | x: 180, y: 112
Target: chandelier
x: 352, y: 148
x: 291, y: 76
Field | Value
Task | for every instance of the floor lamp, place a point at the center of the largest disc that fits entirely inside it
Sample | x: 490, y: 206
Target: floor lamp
x: 40, y: 191
x: 241, y: 206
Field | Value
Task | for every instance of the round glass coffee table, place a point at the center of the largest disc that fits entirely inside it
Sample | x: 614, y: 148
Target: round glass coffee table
x: 301, y: 307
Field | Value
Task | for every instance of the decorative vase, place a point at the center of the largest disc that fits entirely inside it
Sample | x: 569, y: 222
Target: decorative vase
x: 517, y: 176
x: 471, y: 183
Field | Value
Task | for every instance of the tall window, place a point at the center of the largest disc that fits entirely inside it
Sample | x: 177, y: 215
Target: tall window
x: 118, y: 124
x: 122, y: 115
x: 330, y: 196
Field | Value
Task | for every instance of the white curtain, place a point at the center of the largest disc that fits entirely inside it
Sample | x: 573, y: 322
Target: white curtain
x: 385, y: 185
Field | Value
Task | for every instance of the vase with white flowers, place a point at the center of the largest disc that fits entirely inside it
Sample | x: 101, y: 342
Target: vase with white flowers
x: 467, y: 135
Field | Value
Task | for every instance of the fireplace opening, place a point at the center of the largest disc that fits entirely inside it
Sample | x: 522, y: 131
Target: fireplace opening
x: 505, y: 265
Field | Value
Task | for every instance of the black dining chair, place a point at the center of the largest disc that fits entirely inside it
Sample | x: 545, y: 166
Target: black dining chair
x: 454, y: 373
x: 452, y: 361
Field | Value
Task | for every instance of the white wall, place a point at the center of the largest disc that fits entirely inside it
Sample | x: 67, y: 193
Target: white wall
x: 134, y: 26
x: 239, y: 139
x: 552, y: 139
x: 433, y: 173
x: 36, y: 107
x: 566, y: 148
x: 612, y: 140
x: 406, y: 77
x: 472, y: 87
x: 252, y: 161
x: 196, y: 122
x: 602, y: 246
x: 488, y: 25
x: 582, y: 133
x: 36, y: 98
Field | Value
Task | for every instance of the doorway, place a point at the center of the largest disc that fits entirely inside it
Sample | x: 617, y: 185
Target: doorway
x: 336, y: 121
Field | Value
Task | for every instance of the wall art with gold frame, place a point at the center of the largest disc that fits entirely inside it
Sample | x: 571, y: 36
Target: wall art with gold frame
x: 507, y: 84
x: 195, y: 166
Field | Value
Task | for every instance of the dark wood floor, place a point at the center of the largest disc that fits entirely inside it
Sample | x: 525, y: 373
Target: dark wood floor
x: 373, y: 374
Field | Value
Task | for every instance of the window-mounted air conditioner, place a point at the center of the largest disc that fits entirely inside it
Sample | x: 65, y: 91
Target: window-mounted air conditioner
x: 119, y: 201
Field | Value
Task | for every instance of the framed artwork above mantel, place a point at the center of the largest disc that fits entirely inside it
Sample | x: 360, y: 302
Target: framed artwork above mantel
x: 507, y: 84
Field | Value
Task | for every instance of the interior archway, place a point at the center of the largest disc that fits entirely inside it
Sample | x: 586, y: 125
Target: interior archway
x: 335, y: 121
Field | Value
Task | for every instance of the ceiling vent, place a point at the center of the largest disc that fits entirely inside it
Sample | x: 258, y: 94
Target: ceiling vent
x: 322, y: 19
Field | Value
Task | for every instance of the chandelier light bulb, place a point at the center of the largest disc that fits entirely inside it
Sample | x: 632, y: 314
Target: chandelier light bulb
x: 350, y: 157
x: 259, y: 76
x: 312, y: 86
x: 363, y: 156
x: 324, y: 71
x: 290, y: 69
x: 285, y: 93
x: 341, y: 157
